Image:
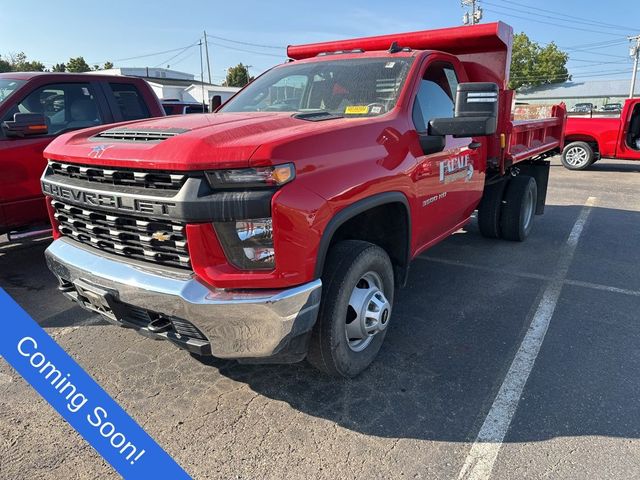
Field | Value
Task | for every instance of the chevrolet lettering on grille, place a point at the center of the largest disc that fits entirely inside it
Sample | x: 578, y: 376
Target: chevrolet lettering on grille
x: 107, y: 200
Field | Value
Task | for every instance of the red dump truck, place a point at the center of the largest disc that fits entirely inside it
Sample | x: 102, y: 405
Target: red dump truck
x: 590, y: 139
x: 278, y: 227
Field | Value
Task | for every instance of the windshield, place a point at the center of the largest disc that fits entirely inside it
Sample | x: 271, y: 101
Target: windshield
x: 8, y: 86
x: 356, y: 87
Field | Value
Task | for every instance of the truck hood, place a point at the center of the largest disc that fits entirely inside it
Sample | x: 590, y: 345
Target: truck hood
x: 192, y: 142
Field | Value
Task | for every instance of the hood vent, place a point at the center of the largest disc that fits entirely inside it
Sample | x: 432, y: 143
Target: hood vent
x: 316, y: 116
x: 130, y: 135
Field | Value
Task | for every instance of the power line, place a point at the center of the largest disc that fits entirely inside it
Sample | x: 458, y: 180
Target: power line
x: 165, y: 62
x: 143, y: 56
x: 574, y: 20
x: 245, y: 43
x: 608, y: 55
x: 247, y: 51
x: 191, y: 54
x: 550, y: 23
x: 580, y: 75
x: 595, y: 46
x: 595, y: 62
x: 596, y: 65
x: 571, y: 17
x: 562, y: 76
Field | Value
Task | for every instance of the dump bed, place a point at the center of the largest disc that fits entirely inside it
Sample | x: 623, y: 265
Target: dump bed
x: 526, y: 139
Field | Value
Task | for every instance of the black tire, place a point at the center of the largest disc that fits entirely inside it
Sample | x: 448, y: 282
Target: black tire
x: 347, y: 263
x: 518, y: 208
x: 571, y: 156
x: 490, y: 208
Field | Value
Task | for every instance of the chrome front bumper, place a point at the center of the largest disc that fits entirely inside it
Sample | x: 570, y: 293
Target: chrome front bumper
x: 251, y: 324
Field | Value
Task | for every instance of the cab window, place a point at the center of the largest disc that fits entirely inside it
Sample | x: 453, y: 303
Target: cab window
x: 436, y: 95
x: 66, y: 106
x: 130, y: 102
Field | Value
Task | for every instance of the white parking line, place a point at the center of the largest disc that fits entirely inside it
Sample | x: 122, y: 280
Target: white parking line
x: 534, y: 276
x: 484, y: 451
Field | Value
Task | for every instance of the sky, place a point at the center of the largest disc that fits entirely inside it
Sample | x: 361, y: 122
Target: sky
x: 256, y: 33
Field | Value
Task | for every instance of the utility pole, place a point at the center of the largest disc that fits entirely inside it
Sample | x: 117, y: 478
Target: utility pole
x: 473, y: 15
x: 634, y: 51
x: 206, y: 51
x: 202, y: 75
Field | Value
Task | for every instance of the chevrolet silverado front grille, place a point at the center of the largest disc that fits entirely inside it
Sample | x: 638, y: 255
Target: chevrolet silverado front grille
x: 158, y: 241
x: 120, y: 176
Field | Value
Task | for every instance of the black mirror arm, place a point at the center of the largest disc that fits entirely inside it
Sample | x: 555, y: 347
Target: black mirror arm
x: 431, y: 143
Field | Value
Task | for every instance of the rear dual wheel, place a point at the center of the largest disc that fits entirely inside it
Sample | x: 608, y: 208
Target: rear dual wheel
x: 518, y: 208
x: 508, y: 207
x: 357, y: 296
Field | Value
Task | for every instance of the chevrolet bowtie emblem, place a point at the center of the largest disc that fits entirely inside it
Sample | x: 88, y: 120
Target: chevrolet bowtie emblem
x: 160, y: 236
x: 98, y: 150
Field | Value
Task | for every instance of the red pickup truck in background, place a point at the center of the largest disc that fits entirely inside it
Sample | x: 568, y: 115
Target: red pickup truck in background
x: 280, y: 226
x: 35, y: 108
x: 588, y: 140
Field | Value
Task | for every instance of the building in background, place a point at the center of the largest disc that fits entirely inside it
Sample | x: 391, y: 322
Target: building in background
x: 172, y: 84
x: 597, y: 92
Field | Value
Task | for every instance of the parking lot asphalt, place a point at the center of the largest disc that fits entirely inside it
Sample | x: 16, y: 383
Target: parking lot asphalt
x: 458, y: 329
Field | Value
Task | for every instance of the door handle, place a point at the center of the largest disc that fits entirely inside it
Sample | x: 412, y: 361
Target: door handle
x: 474, y: 145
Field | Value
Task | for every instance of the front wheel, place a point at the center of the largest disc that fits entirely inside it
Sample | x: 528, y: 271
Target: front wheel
x: 357, y: 296
x: 577, y: 156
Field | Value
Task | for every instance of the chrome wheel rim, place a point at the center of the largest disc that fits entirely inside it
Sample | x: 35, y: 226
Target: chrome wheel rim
x: 368, y: 312
x: 576, y: 156
x: 529, y: 206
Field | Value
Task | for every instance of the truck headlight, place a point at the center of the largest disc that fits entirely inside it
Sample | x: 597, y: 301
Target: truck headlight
x: 248, y: 244
x: 275, y: 176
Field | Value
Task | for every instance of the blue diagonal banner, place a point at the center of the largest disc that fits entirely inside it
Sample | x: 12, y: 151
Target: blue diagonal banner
x: 79, y: 399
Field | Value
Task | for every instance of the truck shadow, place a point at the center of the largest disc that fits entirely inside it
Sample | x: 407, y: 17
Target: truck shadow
x: 457, y: 328
x: 606, y: 165
x: 615, y: 166
x: 24, y: 275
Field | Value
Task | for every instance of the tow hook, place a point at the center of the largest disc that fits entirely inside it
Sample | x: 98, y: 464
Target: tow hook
x: 159, y: 325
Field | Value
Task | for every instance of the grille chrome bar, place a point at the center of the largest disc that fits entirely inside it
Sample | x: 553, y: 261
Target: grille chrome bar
x: 159, y: 241
x: 117, y: 176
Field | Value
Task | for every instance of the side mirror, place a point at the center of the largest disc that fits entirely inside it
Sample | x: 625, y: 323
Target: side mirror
x: 216, y: 101
x: 476, y: 113
x: 26, y: 124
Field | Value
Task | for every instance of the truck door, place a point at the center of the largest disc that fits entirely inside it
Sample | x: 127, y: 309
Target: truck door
x: 629, y: 136
x: 448, y: 182
x: 66, y: 106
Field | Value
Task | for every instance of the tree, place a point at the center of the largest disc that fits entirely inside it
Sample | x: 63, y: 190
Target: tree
x: 19, y: 63
x: 4, y: 66
x: 237, y: 76
x: 59, y: 67
x: 107, y: 66
x: 77, y: 65
x: 533, y: 65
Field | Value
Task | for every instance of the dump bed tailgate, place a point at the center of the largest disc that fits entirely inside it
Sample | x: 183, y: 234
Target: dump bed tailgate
x: 527, y: 139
